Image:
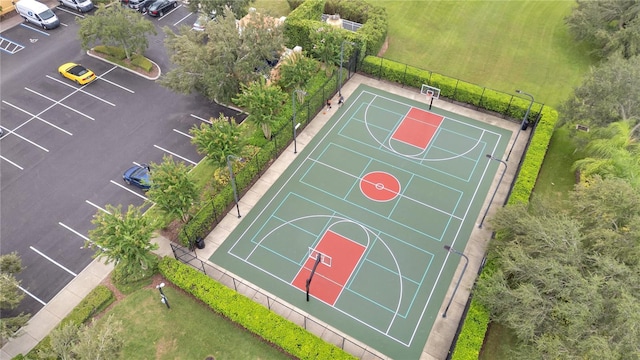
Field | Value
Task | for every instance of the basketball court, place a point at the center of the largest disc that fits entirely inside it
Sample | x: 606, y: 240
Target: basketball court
x: 353, y: 232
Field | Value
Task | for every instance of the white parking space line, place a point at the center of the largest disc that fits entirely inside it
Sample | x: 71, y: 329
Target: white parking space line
x: 32, y: 296
x: 11, y: 162
x: 181, y: 20
x: 63, y: 105
x: 34, y: 29
x: 167, y: 14
x: 183, y: 133
x: 80, y: 235
x: 129, y: 190
x: 61, y: 8
x: 53, y: 261
x: 97, y: 207
x: 35, y: 117
x: 174, y: 154
x: 117, y: 85
x: 201, y: 119
x: 22, y: 137
x: 79, y: 90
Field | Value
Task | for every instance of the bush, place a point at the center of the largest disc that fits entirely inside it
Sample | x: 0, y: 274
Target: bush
x: 113, y: 51
x: 141, y: 62
x: 254, y: 317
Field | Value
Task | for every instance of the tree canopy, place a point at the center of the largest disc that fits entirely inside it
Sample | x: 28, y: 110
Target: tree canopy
x: 226, y: 54
x: 238, y: 7
x: 116, y: 26
x: 611, y: 26
x: 173, y: 191
x: 264, y: 102
x: 217, y: 140
x: 567, y: 275
x: 609, y: 93
x: 10, y: 296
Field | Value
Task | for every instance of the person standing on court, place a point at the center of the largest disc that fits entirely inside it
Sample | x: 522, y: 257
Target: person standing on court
x: 328, y: 104
x: 340, y: 101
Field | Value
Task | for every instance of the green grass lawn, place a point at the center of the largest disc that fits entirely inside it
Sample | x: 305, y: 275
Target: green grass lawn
x: 274, y: 8
x: 189, y: 330
x: 503, y: 45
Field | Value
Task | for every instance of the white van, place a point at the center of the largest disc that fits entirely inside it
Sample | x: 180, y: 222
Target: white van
x: 37, y: 13
x: 80, y: 5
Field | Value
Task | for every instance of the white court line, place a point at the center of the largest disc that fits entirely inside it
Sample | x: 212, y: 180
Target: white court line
x: 32, y: 296
x: 181, y: 20
x: 174, y: 154
x: 78, y: 90
x: 11, y: 162
x: 129, y: 190
x: 97, y: 207
x: 53, y: 261
x: 61, y: 104
x: 80, y: 235
x: 201, y: 119
x: 167, y: 14
x: 182, y: 133
x: 115, y: 84
x: 35, y: 117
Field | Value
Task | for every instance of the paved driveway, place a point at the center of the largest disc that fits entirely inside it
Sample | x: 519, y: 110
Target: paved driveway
x: 65, y: 146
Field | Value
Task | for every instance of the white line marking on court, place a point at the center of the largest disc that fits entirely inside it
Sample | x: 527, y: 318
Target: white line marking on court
x: 32, y: 296
x: 201, y: 119
x: 174, y: 154
x: 181, y: 20
x: 78, y: 90
x: 97, y: 207
x: 183, y: 133
x: 61, y: 104
x: 129, y: 190
x: 53, y: 261
x: 11, y: 162
x: 80, y: 235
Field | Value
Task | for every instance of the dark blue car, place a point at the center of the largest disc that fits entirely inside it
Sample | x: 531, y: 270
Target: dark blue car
x: 138, y: 175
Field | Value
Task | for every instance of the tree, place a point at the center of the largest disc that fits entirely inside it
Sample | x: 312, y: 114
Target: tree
x: 611, y: 26
x: 326, y: 46
x: 565, y: 276
x: 295, y: 70
x: 216, y: 141
x: 10, y: 296
x: 125, y: 239
x: 612, y: 151
x: 116, y: 26
x: 238, y: 7
x: 609, y: 93
x: 263, y: 102
x: 173, y: 190
x: 215, y: 62
x: 103, y: 340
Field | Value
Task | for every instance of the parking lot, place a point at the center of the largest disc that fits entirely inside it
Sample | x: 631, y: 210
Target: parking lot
x: 65, y: 146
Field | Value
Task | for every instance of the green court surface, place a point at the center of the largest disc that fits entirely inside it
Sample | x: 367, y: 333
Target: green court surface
x: 375, y: 195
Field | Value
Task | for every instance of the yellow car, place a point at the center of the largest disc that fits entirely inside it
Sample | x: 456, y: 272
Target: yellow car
x: 78, y: 73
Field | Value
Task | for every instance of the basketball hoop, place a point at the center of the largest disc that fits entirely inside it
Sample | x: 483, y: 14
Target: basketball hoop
x: 430, y: 93
x: 429, y: 96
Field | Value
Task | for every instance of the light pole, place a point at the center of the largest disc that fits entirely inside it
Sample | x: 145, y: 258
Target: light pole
x: 341, y: 57
x: 496, y: 189
x: 293, y: 119
x: 452, y: 250
x: 232, y: 178
x: 163, y: 298
x: 524, y: 122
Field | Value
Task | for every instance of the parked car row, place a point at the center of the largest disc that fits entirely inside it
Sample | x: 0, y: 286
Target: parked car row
x: 152, y: 7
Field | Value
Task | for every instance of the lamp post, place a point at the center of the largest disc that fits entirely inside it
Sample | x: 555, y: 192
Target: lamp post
x: 452, y: 250
x: 341, y: 57
x: 163, y: 298
x: 524, y: 121
x: 233, y: 180
x: 294, y: 126
x: 491, y: 157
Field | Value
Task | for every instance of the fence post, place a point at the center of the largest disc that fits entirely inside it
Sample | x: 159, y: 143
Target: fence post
x: 404, y: 76
x: 482, y: 97
x: 380, y: 70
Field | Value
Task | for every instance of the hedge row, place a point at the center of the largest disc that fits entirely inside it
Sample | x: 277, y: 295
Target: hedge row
x: 472, y: 334
x: 306, y: 19
x: 254, y: 317
x: 96, y: 301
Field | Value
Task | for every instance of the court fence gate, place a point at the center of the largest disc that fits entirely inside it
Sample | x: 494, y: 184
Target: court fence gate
x: 273, y: 303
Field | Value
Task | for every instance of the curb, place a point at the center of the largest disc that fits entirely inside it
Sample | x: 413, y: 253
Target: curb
x: 127, y: 69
